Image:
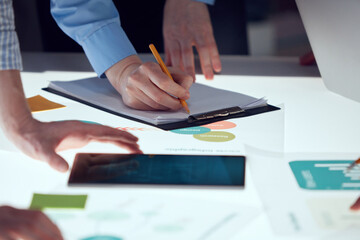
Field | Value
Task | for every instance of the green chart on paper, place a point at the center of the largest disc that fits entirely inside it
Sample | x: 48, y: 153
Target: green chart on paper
x: 326, y: 175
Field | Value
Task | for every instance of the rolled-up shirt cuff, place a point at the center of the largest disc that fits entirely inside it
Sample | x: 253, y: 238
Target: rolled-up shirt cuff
x: 210, y: 2
x: 107, y: 46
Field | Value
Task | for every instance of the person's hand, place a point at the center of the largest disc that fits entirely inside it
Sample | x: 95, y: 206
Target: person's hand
x: 186, y: 24
x: 26, y: 225
x: 41, y: 140
x: 145, y: 86
x: 356, y: 205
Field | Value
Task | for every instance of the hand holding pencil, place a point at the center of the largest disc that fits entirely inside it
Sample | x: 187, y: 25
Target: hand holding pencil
x: 165, y: 70
x: 145, y: 86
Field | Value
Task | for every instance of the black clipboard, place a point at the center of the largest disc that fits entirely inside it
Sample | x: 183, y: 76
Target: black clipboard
x: 192, y: 121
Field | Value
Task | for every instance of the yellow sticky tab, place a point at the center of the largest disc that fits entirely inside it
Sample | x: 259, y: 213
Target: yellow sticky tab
x: 39, y: 104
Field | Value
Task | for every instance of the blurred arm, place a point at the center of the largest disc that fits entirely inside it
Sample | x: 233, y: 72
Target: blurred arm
x: 13, y: 107
x: 95, y: 25
x: 10, y: 57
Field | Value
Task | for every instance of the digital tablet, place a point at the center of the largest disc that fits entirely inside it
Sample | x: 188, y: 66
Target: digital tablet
x: 158, y: 170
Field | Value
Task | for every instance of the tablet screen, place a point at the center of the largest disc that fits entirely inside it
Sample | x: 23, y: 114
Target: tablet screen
x: 212, y: 170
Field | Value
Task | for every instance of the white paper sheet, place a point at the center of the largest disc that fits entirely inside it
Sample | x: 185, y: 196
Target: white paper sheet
x: 138, y: 217
x: 296, y: 211
x: 203, y: 99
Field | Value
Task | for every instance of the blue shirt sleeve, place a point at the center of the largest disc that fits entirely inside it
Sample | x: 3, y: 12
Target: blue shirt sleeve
x: 210, y: 2
x: 95, y: 25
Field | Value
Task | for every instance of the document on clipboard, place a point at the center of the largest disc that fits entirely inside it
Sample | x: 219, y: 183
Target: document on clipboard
x: 207, y: 104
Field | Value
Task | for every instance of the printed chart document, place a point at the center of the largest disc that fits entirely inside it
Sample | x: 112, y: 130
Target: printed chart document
x: 312, y: 193
x: 150, y: 217
x: 100, y: 93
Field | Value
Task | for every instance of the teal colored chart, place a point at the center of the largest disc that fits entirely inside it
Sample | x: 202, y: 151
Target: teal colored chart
x: 91, y: 122
x: 192, y: 130
x: 326, y: 175
x: 102, y: 238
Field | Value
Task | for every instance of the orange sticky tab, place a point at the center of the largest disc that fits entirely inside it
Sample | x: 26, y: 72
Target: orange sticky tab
x: 39, y: 104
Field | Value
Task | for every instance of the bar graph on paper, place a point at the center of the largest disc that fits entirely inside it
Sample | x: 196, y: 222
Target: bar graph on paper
x: 326, y: 175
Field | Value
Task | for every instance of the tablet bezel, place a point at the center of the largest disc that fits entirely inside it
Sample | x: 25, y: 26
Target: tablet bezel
x: 149, y: 185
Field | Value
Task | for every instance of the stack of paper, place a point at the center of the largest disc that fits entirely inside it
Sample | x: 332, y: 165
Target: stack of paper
x: 204, y: 99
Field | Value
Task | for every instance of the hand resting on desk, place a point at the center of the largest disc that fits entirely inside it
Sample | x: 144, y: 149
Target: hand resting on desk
x: 186, y: 24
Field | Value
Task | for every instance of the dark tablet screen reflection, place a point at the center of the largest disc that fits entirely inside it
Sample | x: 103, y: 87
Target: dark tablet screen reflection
x: 158, y: 169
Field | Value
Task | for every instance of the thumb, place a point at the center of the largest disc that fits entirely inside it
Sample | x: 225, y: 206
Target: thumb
x: 184, y: 80
x: 55, y: 161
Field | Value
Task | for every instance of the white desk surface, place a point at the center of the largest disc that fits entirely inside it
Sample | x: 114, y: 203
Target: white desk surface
x: 313, y: 124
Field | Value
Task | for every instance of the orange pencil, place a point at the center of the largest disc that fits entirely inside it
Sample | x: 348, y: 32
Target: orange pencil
x: 166, y: 71
x: 354, y: 164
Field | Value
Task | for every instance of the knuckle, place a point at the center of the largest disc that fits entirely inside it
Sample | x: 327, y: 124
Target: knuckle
x: 170, y: 36
x: 142, y: 67
x: 187, y: 52
x: 176, y: 106
x: 7, y: 209
x: 205, y: 28
x: 175, y: 50
x: 159, y: 98
x: 189, y: 79
x: 156, y: 106
x: 53, y: 164
x: 135, y: 81
x: 207, y: 68
x: 173, y: 35
x: 37, y: 148
x: 134, y: 77
x: 130, y: 90
x: 212, y: 45
x: 201, y: 46
x: 129, y: 101
x: 183, y: 31
x: 188, y: 69
x: 28, y: 224
x: 176, y: 62
x: 148, y: 66
x: 37, y: 215
x: 164, y: 83
x: 166, y: 33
